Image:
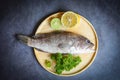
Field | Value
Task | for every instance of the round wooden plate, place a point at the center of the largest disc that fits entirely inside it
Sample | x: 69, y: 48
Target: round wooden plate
x: 84, y: 28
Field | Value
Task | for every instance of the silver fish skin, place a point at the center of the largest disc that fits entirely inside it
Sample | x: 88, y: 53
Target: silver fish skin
x: 61, y: 41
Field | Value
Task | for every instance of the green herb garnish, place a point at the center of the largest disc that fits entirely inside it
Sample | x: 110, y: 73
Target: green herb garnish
x: 47, y: 63
x: 65, y: 62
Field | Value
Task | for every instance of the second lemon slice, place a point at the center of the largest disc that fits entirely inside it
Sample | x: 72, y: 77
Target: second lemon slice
x: 55, y: 23
x: 69, y: 19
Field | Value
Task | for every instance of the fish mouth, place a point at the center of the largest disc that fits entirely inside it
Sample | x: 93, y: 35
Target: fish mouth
x: 90, y: 46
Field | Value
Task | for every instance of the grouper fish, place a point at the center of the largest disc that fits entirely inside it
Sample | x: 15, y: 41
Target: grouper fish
x: 61, y: 41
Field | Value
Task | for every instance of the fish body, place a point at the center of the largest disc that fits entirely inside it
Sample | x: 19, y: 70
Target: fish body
x: 63, y: 42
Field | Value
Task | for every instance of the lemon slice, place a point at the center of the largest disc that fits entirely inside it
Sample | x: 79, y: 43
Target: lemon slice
x: 78, y: 16
x: 70, y: 19
x: 55, y: 23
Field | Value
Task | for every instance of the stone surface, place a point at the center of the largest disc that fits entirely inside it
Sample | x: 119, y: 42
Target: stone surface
x: 17, y: 61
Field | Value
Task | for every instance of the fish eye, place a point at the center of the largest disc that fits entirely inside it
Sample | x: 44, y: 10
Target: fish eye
x: 87, y: 41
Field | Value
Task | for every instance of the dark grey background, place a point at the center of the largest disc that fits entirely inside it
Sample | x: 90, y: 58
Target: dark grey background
x: 17, y: 61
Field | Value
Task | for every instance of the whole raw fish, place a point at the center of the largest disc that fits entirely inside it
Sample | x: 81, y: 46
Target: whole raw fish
x: 61, y: 41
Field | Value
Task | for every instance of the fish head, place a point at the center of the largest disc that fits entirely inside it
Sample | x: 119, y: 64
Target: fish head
x: 86, y: 45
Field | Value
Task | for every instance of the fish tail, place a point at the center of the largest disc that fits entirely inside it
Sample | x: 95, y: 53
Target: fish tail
x: 23, y: 38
